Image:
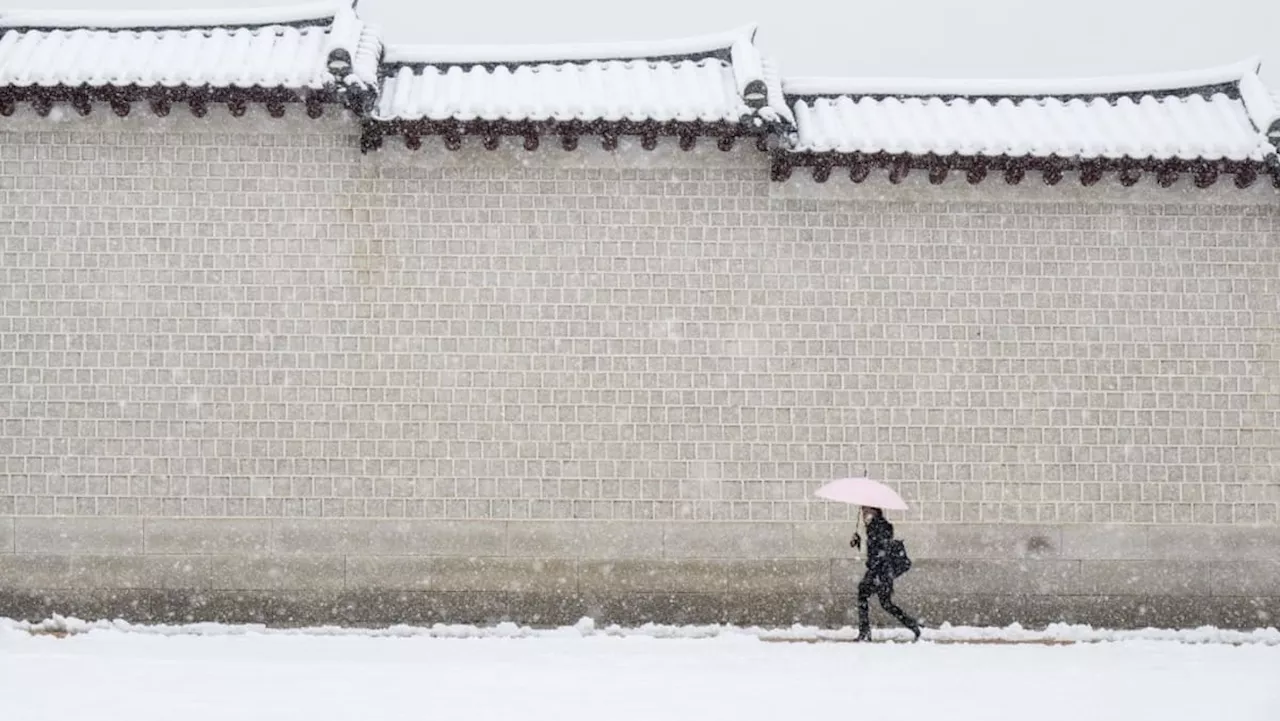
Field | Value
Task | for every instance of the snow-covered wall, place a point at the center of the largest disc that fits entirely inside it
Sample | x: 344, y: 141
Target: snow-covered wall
x: 247, y: 372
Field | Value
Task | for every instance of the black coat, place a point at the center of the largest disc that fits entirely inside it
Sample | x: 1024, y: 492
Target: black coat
x: 879, y: 534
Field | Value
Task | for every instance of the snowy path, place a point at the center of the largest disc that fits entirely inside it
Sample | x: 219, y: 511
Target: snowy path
x: 146, y: 677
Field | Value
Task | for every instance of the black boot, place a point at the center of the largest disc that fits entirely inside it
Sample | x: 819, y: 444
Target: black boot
x: 864, y: 630
x: 864, y: 611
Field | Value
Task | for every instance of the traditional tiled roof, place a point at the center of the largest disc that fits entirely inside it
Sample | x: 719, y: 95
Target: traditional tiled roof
x: 718, y: 80
x: 1221, y: 114
x: 1200, y: 124
x: 309, y: 48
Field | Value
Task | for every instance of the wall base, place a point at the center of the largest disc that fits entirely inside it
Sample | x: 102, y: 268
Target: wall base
x: 383, y: 608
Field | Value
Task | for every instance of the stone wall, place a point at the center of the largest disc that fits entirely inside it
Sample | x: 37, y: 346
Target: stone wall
x: 248, y: 373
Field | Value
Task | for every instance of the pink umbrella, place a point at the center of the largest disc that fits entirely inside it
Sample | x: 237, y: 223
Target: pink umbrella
x: 862, y: 492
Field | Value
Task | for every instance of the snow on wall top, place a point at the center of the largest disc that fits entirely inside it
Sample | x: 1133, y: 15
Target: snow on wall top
x: 1219, y: 113
x: 718, y: 78
x: 288, y: 47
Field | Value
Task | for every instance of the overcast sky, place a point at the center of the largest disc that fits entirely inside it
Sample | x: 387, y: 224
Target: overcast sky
x: 880, y: 38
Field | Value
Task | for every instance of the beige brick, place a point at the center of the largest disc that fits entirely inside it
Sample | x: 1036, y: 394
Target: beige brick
x: 389, y: 537
x: 831, y: 540
x: 822, y: 539
x: 514, y: 342
x: 27, y: 572
x: 728, y: 540
x: 654, y: 575
x: 585, y: 539
x: 340, y: 536
x: 991, y: 541
x: 994, y: 577
x: 620, y: 539
x: 543, y: 539
x: 278, y: 573
x: 1136, y: 578
x: 78, y: 535
x: 527, y: 575
x: 1223, y: 543
x: 787, y: 575
x: 1246, y: 578
x: 207, y: 535
x: 467, y: 538
x: 1105, y: 542
x: 147, y: 572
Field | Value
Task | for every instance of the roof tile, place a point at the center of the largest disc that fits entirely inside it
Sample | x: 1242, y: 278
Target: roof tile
x: 174, y: 49
x: 1190, y: 127
x: 615, y: 90
x: 710, y: 80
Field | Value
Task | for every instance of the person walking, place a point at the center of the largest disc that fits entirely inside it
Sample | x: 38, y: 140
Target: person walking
x: 886, y: 560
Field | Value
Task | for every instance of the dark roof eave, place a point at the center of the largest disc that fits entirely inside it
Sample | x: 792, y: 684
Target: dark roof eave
x: 1014, y: 170
x: 160, y: 99
x: 490, y: 132
x: 1230, y: 90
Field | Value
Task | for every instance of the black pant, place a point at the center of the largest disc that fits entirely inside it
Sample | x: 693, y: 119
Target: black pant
x: 880, y: 584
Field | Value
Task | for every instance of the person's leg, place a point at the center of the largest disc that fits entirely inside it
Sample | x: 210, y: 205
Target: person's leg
x: 865, y: 589
x: 885, y: 595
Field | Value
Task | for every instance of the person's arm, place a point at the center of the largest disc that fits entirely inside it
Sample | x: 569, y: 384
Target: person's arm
x: 856, y: 541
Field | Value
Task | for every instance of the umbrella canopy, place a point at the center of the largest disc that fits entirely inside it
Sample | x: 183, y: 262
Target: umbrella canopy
x: 862, y: 492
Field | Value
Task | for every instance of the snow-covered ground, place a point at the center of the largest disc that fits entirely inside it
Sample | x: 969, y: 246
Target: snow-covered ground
x: 206, y: 672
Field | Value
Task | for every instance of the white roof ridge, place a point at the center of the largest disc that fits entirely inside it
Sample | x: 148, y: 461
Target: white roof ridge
x: 1030, y: 87
x: 1261, y: 108
x: 130, y: 19
x: 566, y: 52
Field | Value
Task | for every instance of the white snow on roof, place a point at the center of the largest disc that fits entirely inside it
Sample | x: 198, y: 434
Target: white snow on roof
x: 612, y: 90
x: 777, y: 100
x: 186, y: 49
x: 1262, y: 108
x: 124, y: 19
x: 1168, y: 127
x: 696, y: 79
x: 1066, y: 118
